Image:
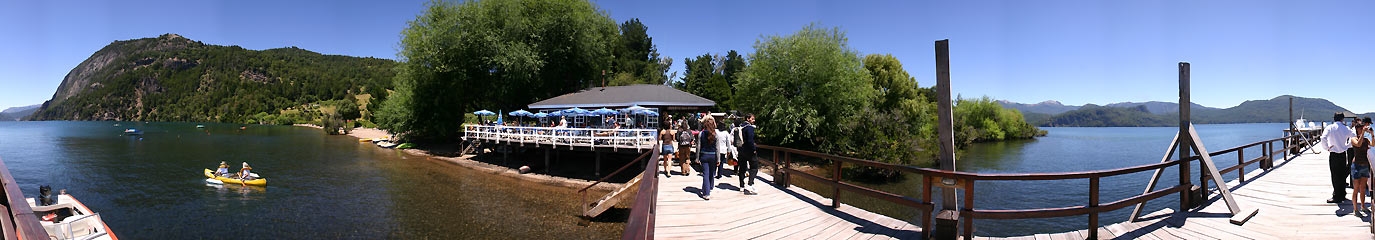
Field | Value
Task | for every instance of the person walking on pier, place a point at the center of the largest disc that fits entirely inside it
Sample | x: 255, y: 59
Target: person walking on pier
x: 666, y: 140
x: 748, y: 166
x: 707, y: 155
x: 684, y: 147
x: 1335, y: 141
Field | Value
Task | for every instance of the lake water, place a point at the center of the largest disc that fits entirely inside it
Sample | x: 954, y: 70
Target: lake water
x: 1070, y: 150
x: 319, y: 186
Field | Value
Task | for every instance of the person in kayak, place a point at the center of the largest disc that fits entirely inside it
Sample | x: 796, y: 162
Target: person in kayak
x: 244, y: 173
x: 223, y: 170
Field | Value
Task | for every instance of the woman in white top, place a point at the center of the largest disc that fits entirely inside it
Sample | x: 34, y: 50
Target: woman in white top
x: 723, y: 146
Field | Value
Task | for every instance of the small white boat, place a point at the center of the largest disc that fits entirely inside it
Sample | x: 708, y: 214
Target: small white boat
x: 69, y: 219
x: 386, y: 144
x: 132, y: 131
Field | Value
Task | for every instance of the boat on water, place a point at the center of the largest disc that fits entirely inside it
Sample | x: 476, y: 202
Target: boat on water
x: 63, y: 217
x: 200, y: 126
x: 133, y: 131
x: 225, y: 180
x: 386, y: 144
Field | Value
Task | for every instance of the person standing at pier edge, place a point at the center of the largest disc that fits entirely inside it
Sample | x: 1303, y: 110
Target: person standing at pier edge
x: 666, y: 140
x: 1335, y: 141
x: 707, y: 156
x: 748, y: 166
x: 1360, y: 170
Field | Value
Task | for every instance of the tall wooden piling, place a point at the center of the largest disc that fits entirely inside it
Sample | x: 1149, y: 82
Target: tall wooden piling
x: 947, y: 221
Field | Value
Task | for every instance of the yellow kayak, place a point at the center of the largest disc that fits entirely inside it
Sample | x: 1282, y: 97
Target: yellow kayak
x: 254, y: 182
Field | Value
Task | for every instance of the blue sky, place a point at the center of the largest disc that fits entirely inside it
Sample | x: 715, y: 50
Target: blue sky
x: 1075, y: 52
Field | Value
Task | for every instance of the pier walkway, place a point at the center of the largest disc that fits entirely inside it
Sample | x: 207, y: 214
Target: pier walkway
x: 1291, y: 198
x: 775, y: 213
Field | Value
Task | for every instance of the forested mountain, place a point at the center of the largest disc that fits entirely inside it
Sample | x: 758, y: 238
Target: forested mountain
x: 17, y: 113
x: 1157, y: 107
x: 1051, y: 107
x: 1275, y: 110
x: 172, y: 78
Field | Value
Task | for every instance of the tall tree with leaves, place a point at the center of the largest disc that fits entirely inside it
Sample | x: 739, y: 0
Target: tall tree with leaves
x: 803, y: 88
x: 458, y: 56
x: 637, y: 59
x: 891, y: 81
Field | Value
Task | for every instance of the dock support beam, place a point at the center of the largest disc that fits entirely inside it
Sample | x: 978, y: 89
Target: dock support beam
x: 598, y: 168
x: 1185, y: 200
x: 947, y: 220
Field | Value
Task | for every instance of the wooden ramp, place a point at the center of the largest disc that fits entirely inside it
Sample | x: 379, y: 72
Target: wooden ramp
x: 1291, y: 199
x: 775, y: 213
x: 606, y: 202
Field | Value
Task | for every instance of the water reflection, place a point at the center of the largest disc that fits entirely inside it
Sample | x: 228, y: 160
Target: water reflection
x: 321, y: 186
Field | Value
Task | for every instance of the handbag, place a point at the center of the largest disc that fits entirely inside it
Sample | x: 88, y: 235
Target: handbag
x: 731, y: 162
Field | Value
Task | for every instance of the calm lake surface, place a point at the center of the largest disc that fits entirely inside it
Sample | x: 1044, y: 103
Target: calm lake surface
x: 1069, y: 150
x: 152, y: 187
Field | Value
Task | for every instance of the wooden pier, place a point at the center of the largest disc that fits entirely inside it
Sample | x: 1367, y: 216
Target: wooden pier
x: 775, y: 213
x: 1292, y: 202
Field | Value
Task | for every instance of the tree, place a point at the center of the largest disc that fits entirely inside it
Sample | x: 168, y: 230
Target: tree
x: 637, y: 59
x: 493, y: 54
x: 803, y: 88
x: 733, y: 65
x: 703, y: 79
x: 892, y: 82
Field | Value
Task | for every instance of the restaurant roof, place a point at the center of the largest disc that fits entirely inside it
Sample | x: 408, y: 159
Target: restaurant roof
x: 644, y: 95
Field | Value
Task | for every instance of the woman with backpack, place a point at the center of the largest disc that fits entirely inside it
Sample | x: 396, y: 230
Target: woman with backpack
x: 684, y: 147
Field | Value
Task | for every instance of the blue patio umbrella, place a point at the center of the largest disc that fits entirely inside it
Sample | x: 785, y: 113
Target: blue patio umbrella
x: 604, y: 112
x: 556, y: 114
x: 540, y: 115
x: 649, y: 113
x: 520, y: 113
x: 576, y: 111
x: 484, y: 112
x: 633, y: 108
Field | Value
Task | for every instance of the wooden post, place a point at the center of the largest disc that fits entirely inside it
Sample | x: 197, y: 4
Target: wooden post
x: 598, y: 168
x: 1093, y: 202
x: 1241, y: 171
x: 835, y: 179
x: 1184, y: 201
x: 947, y: 220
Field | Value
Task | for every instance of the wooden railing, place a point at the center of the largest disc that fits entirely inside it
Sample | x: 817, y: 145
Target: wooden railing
x: 965, y: 181
x: 641, y: 139
x: 19, y: 221
x: 640, y: 225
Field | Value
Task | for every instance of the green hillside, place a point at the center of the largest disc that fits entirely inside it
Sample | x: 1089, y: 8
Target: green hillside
x: 171, y: 78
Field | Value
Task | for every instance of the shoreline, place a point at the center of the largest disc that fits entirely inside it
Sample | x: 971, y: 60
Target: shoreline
x: 467, y: 161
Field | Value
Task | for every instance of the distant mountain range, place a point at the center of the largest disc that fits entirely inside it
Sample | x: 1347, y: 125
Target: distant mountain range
x: 1152, y: 114
x: 18, y: 113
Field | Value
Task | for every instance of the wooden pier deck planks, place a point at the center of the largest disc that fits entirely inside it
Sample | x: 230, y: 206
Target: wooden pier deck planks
x: 1291, y: 198
x: 775, y: 213
x: 1292, y: 202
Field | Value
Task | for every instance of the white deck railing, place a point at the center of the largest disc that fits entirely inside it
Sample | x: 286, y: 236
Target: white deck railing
x: 639, y: 139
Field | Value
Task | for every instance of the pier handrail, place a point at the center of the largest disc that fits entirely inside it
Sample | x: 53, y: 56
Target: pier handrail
x: 640, y: 224
x: 965, y: 181
x: 630, y: 138
x: 19, y: 222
